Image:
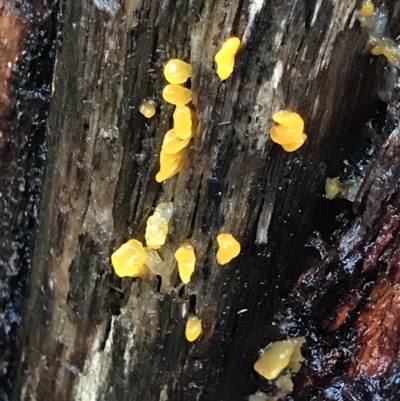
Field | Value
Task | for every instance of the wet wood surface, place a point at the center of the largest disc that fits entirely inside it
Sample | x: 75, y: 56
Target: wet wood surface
x: 87, y: 335
x: 351, y: 298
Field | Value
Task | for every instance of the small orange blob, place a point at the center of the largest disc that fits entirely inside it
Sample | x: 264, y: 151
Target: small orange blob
x: 291, y: 147
x: 177, y: 94
x: 193, y: 328
x: 182, y: 121
x: 147, y: 108
x: 289, y: 130
x: 225, y: 57
x: 170, y: 164
x: 367, y: 8
x: 177, y: 71
x: 129, y: 258
x: 186, y: 259
x: 284, y: 135
x: 172, y: 143
x: 229, y: 248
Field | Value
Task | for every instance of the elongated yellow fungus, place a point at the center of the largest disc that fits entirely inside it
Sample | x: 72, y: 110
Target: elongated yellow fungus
x: 186, y: 259
x: 172, y: 143
x: 170, y: 164
x: 193, y: 328
x: 229, y: 248
x: 274, y: 359
x: 183, y: 121
x: 157, y: 225
x: 388, y: 49
x: 367, y: 8
x: 147, y: 108
x: 289, y: 130
x: 177, y: 71
x: 177, y: 94
x: 225, y: 57
x: 128, y: 259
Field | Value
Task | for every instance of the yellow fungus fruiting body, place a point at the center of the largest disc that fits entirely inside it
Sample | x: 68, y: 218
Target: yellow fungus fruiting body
x: 147, y: 108
x: 389, y: 50
x: 157, y: 225
x: 170, y: 164
x: 183, y: 121
x: 177, y: 71
x: 288, y: 118
x: 229, y: 248
x: 291, y: 147
x: 172, y: 143
x: 367, y: 8
x: 128, y: 259
x: 177, y: 94
x: 274, y: 359
x: 296, y: 358
x: 193, y: 328
x: 285, y: 383
x: 332, y: 188
x: 285, y: 135
x: 225, y: 57
x: 289, y: 130
x: 186, y: 259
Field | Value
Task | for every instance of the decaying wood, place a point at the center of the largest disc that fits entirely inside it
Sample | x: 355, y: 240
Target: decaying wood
x: 26, y: 63
x: 87, y: 335
x: 350, y: 301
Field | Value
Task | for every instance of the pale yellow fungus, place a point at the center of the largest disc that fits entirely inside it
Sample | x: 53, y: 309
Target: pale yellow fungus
x: 170, y: 164
x: 154, y: 262
x: 172, y: 143
x: 157, y: 225
x: 332, y: 188
x: 388, y: 49
x: 274, y: 359
x: 129, y: 258
x: 186, y: 259
x: 229, y: 248
x: 147, y: 108
x: 291, y: 147
x: 260, y: 396
x: 285, y: 383
x: 296, y: 358
x: 193, y: 328
x: 278, y: 356
x: 225, y: 57
x: 367, y: 8
x: 177, y: 94
x: 177, y: 71
x: 183, y: 121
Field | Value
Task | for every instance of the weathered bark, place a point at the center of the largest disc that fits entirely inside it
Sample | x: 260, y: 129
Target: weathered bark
x: 87, y: 335
x: 348, y: 305
x: 27, y: 38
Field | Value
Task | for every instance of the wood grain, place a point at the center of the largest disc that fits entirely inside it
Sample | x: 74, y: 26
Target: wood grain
x: 87, y: 335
